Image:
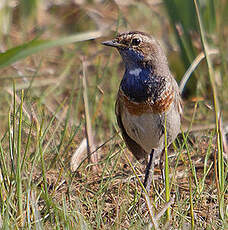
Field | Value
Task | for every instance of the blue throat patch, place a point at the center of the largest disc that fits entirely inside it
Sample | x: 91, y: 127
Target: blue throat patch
x: 139, y: 82
x: 135, y: 82
x: 137, y: 87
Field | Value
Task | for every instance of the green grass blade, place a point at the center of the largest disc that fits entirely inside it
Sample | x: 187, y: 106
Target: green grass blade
x: 17, y: 53
x: 218, y: 120
x: 18, y: 171
x: 27, y: 145
x: 167, y: 189
x: 191, y: 204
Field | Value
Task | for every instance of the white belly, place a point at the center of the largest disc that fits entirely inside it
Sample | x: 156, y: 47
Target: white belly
x: 145, y: 129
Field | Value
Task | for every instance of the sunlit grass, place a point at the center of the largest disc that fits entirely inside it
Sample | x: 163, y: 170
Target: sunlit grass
x: 43, y: 122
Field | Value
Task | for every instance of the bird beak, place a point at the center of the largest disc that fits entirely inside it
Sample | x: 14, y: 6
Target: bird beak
x: 112, y: 43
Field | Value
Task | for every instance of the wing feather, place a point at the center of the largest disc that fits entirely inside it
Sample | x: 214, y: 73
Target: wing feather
x: 136, y: 149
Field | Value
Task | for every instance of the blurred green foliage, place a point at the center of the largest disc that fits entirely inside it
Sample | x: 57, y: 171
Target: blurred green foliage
x: 51, y: 194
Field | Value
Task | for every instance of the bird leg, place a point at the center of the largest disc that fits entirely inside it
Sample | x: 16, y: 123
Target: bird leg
x: 149, y: 172
x: 161, y: 165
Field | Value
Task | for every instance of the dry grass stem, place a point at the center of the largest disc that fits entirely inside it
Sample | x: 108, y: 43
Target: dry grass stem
x: 89, y: 133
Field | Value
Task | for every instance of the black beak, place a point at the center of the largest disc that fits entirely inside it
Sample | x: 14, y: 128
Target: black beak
x: 111, y: 43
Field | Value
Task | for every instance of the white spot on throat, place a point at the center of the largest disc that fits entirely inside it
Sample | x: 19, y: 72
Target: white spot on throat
x: 135, y: 72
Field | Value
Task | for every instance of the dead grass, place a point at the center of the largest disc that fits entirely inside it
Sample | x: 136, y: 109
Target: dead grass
x: 53, y: 126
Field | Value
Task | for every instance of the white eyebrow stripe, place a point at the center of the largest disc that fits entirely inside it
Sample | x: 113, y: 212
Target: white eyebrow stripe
x: 135, y: 72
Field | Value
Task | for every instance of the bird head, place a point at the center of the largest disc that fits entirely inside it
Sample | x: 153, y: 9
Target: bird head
x: 139, y: 48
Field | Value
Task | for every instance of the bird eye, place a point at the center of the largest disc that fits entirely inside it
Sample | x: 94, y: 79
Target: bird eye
x: 135, y: 41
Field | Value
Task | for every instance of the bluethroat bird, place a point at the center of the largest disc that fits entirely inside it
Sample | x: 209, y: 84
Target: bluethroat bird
x: 148, y: 101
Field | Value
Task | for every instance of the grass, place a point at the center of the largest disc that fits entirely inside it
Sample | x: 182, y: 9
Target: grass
x: 44, y: 118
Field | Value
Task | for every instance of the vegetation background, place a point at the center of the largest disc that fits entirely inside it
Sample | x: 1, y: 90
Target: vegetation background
x: 58, y: 88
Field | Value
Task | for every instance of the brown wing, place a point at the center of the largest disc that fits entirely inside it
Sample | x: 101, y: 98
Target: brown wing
x: 137, y: 151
